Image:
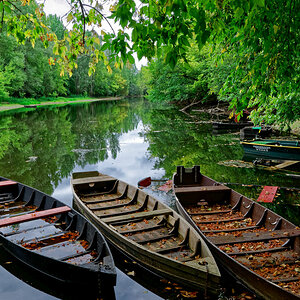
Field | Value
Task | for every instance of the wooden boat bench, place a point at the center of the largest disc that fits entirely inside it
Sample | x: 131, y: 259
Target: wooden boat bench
x: 91, y: 180
x: 209, y: 188
x: 213, y: 193
x: 134, y: 216
x: 34, y: 216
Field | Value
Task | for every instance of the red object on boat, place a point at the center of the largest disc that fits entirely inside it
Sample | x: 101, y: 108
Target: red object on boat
x: 7, y: 182
x: 267, y: 194
x: 145, y: 182
x: 34, y: 216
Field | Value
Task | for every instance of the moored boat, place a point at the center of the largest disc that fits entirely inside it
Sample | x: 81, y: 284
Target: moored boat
x: 254, y: 244
x: 276, y: 149
x: 52, y: 238
x: 146, y: 230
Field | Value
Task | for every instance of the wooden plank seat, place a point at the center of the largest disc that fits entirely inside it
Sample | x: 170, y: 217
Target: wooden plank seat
x: 14, y: 232
x: 75, y: 255
x: 171, y: 249
x: 145, y: 229
x: 34, y: 215
x: 138, y: 215
x: 209, y: 188
x: 7, y: 182
x: 91, y: 180
x: 255, y: 237
x: 53, y: 236
x: 152, y: 239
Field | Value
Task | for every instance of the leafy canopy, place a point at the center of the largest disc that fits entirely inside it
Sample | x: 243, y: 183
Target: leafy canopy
x: 262, y: 36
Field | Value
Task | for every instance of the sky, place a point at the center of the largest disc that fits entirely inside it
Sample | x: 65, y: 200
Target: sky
x: 61, y: 7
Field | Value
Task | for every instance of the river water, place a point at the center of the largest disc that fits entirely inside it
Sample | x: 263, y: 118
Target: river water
x: 127, y: 139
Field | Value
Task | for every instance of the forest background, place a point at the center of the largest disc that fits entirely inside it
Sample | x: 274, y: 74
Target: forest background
x: 244, y: 53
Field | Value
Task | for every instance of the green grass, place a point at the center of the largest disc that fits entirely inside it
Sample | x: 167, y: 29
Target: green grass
x: 28, y: 101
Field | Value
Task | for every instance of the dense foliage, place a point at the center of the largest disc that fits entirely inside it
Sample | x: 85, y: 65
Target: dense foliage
x: 260, y: 36
x: 27, y: 71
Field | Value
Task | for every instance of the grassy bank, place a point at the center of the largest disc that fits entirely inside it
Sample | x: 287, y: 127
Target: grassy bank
x: 29, y: 101
x: 19, y: 103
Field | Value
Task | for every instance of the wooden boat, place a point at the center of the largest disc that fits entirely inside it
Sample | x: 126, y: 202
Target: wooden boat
x: 146, y: 230
x: 30, y: 106
x: 52, y: 238
x: 256, y: 245
x: 277, y: 149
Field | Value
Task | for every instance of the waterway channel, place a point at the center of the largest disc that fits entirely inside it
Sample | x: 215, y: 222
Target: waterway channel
x: 127, y: 139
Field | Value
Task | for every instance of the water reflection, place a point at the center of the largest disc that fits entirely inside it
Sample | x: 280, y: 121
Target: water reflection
x: 128, y: 139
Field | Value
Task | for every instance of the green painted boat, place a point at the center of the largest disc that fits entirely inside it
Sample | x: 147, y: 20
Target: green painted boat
x: 276, y: 149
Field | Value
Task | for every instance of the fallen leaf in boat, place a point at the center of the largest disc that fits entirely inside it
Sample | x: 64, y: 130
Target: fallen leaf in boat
x: 167, y: 288
x: 188, y: 294
x: 132, y: 273
x: 8, y: 262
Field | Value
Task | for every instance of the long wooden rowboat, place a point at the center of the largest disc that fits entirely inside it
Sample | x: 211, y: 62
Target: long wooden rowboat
x: 146, y: 230
x: 52, y: 238
x: 277, y: 149
x: 253, y: 243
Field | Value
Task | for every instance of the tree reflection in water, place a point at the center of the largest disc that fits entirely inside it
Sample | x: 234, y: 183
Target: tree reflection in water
x: 128, y: 139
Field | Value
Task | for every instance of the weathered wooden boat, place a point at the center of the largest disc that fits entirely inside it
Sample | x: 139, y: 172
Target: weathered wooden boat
x: 146, y: 230
x: 51, y: 237
x: 251, y: 242
x: 30, y: 106
x: 277, y: 149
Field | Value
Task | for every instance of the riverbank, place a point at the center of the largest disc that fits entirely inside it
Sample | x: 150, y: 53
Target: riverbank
x: 46, y: 103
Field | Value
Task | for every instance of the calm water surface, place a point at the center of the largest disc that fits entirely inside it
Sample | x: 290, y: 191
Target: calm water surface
x: 130, y: 140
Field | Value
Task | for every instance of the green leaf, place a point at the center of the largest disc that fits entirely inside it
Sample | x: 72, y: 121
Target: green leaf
x: 130, y: 59
x: 238, y: 12
x: 260, y: 3
x: 7, y: 8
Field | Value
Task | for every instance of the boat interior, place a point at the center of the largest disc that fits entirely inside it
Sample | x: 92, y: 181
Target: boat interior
x: 45, y: 226
x: 139, y: 217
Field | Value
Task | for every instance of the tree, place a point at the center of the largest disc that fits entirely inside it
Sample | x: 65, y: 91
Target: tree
x: 261, y: 35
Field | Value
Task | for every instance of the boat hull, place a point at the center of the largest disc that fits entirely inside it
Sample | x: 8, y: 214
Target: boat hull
x: 285, y: 152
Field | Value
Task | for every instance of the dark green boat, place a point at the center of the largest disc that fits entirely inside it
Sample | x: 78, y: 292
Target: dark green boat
x: 276, y: 149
